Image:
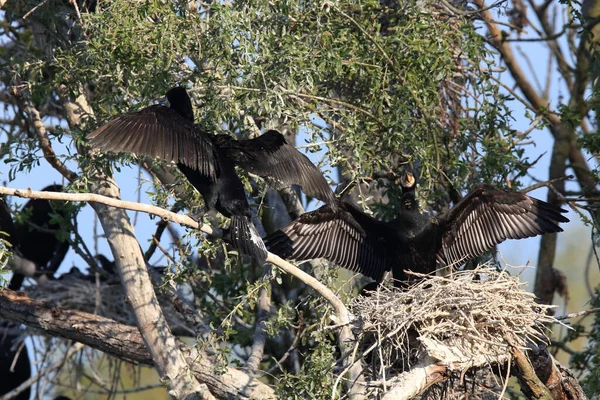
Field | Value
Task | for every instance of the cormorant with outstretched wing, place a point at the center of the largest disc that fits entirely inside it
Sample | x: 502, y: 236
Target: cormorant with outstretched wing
x: 413, y: 241
x: 208, y: 161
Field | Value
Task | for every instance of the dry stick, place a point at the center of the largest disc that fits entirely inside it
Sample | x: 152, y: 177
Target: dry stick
x: 345, y: 335
x: 579, y: 314
x: 545, y: 183
x: 260, y: 334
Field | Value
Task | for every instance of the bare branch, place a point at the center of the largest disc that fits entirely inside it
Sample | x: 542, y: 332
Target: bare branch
x: 409, y: 384
x: 110, y: 201
x: 546, y: 183
x: 40, y: 130
x: 124, y: 342
x: 579, y: 314
x: 260, y: 335
x: 527, y: 376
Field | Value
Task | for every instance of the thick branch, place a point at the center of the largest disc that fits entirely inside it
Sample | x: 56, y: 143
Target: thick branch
x: 168, y: 359
x: 541, y: 377
x: 40, y: 130
x: 561, y: 384
x: 124, y: 342
x: 531, y: 384
x: 345, y: 336
x: 121, y: 341
x: 409, y: 384
x: 546, y: 280
x: 109, y: 201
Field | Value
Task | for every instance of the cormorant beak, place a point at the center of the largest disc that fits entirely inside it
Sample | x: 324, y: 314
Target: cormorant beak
x: 163, y: 101
x: 407, y: 180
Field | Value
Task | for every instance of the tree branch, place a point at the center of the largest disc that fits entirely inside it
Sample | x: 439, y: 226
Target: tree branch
x: 169, y: 361
x: 40, y: 131
x: 262, y: 316
x: 345, y: 336
x: 124, y: 342
x: 110, y: 201
x: 409, y: 384
x: 530, y: 382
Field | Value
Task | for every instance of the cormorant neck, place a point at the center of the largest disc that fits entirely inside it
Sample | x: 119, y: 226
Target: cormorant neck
x: 409, y: 201
x: 179, y: 101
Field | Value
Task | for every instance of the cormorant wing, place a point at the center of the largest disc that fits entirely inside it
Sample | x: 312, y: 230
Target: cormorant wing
x: 6, y: 224
x: 278, y: 162
x: 42, y: 248
x: 487, y: 216
x: 336, y: 237
x: 158, y: 131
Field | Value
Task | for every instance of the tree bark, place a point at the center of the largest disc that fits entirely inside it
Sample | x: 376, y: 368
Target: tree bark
x: 124, y: 342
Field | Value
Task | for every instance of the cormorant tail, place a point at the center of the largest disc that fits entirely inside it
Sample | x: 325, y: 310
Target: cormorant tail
x: 244, y: 237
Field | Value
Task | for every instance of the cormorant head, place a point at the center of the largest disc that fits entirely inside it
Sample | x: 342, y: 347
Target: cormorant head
x: 408, y: 184
x: 407, y: 181
x: 179, y: 100
x: 53, y: 188
x: 108, y: 266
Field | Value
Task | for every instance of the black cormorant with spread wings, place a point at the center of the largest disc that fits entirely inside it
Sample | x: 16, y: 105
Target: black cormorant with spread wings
x: 413, y: 241
x: 208, y: 161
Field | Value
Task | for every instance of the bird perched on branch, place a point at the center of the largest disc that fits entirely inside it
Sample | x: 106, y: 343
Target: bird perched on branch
x: 413, y: 241
x: 36, y: 238
x: 208, y: 161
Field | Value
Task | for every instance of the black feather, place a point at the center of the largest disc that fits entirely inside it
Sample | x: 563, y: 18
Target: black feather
x: 42, y: 248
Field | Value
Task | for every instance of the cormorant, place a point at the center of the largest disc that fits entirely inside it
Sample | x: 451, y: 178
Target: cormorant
x: 47, y: 253
x: 13, y: 375
x: 208, y: 161
x: 6, y: 224
x: 413, y: 241
x: 44, y: 249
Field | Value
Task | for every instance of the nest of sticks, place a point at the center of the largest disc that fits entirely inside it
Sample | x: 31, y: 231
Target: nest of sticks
x: 468, y: 320
x: 107, y: 300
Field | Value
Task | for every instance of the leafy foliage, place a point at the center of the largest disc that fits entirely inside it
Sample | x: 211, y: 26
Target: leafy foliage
x: 377, y: 86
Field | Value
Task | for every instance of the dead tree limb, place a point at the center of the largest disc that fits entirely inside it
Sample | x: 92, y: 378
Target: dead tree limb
x: 124, y: 342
